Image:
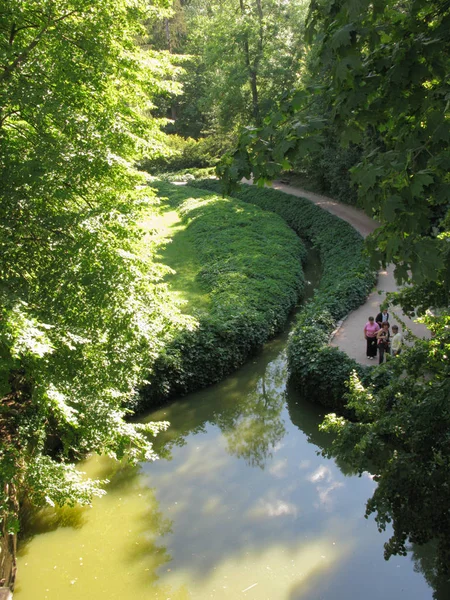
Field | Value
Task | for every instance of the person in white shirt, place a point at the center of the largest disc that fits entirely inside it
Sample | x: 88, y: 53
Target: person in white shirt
x: 396, y: 341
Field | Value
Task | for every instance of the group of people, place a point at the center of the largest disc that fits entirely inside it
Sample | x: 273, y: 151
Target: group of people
x: 379, y: 339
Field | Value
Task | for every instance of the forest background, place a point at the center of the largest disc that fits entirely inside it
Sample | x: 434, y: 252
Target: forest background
x: 347, y: 97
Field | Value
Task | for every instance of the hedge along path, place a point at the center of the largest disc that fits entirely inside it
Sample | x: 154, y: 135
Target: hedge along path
x: 348, y: 337
x: 236, y: 272
x: 318, y: 371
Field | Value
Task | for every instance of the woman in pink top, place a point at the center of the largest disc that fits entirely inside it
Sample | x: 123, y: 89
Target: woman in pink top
x: 370, y: 334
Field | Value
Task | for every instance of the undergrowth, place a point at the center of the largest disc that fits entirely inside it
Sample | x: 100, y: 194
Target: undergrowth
x: 317, y: 370
x: 247, y: 264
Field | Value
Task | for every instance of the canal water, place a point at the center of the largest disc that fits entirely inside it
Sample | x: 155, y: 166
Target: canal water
x: 241, y: 504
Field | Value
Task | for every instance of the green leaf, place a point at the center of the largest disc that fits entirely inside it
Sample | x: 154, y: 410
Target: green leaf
x: 342, y: 37
x: 391, y: 205
x: 347, y: 65
x: 428, y: 262
x: 351, y: 134
x: 419, y: 182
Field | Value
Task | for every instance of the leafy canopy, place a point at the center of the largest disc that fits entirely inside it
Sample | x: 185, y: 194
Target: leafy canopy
x: 402, y: 437
x: 382, y: 74
x: 80, y: 311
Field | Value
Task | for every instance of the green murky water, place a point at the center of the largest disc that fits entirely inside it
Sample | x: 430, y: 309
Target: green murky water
x: 241, y: 505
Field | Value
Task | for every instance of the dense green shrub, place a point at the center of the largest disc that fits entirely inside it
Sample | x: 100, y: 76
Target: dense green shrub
x: 186, y: 153
x: 252, y: 274
x: 320, y: 372
x: 186, y: 174
x: 327, y: 170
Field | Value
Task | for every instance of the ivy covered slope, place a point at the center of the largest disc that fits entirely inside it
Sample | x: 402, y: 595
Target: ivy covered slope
x: 238, y: 272
x: 316, y: 369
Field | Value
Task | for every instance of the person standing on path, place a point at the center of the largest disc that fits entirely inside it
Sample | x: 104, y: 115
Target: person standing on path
x: 370, y: 334
x: 383, y: 342
x: 397, y: 341
x: 348, y: 334
x: 382, y: 317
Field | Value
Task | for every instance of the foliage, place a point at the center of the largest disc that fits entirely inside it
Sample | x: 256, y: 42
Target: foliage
x: 186, y: 154
x: 238, y: 57
x: 402, y: 436
x: 327, y: 169
x: 81, y: 314
x: 389, y: 75
x: 250, y: 268
x: 190, y: 110
x: 249, y: 416
x: 384, y: 85
x: 184, y: 175
x: 346, y: 277
x: 321, y: 372
x: 382, y: 76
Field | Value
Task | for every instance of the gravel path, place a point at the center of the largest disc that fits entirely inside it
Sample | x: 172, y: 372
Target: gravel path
x: 350, y: 337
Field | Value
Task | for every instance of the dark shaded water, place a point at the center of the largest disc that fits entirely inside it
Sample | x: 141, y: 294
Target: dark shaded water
x: 241, y: 505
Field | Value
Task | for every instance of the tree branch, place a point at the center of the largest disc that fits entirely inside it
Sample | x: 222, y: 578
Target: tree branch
x: 9, y: 69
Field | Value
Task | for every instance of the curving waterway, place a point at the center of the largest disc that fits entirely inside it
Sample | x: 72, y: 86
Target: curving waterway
x: 240, y: 505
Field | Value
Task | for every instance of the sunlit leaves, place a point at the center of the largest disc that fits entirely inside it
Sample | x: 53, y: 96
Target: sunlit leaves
x: 378, y: 77
x: 83, y: 315
x: 403, y: 77
x: 251, y: 52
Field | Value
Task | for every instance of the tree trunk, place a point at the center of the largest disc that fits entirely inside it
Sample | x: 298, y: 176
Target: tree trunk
x: 253, y: 67
x: 8, y: 549
x: 173, y: 112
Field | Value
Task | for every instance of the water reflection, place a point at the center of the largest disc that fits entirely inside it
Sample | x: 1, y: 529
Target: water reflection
x: 255, y: 435
x: 121, y: 534
x: 248, y: 415
x: 246, y: 406
x: 50, y: 519
x: 242, y: 505
x: 425, y: 562
x: 308, y: 417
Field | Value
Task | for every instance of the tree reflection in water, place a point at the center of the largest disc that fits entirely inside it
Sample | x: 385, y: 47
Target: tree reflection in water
x: 259, y: 428
x: 425, y: 562
x: 123, y: 532
x: 248, y: 414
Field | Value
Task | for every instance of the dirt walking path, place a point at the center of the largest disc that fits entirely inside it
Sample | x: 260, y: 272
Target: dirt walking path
x: 350, y: 337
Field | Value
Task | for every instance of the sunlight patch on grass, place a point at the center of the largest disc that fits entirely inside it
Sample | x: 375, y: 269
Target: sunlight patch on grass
x: 176, y: 250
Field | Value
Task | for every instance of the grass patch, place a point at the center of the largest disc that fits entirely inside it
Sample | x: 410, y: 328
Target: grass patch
x: 176, y: 250
x: 236, y: 269
x: 319, y: 372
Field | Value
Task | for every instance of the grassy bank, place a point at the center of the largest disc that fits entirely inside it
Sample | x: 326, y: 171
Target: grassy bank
x: 236, y: 270
x: 318, y: 371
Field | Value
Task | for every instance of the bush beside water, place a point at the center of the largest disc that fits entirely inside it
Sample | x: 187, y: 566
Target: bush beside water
x: 251, y: 272
x: 186, y: 153
x: 317, y: 370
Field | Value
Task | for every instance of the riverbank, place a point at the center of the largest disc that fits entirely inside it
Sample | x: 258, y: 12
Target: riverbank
x: 242, y: 495
x: 349, y: 336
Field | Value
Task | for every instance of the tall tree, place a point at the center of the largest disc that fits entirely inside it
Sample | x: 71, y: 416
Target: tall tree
x: 248, y: 52
x: 383, y: 83
x: 252, y: 63
x: 402, y: 437
x: 81, y: 315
